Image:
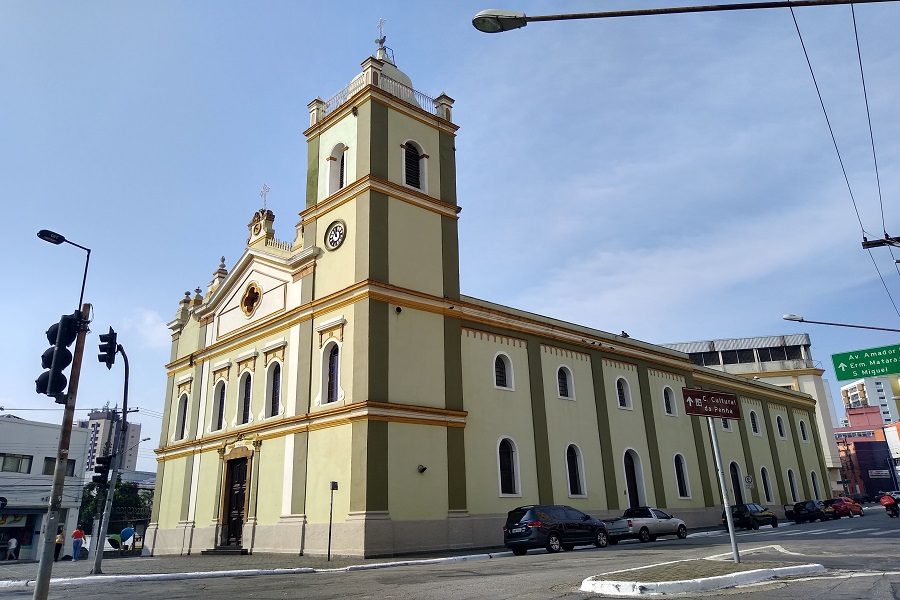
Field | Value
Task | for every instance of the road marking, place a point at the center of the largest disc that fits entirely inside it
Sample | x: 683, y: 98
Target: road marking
x: 888, y: 532
x: 852, y: 531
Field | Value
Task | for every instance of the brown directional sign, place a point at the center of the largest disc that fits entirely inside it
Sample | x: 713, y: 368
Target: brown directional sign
x: 708, y: 403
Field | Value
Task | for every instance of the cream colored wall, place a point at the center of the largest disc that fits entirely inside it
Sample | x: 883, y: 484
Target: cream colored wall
x: 414, y: 248
x: 402, y: 129
x: 343, y: 131
x: 206, y: 484
x: 675, y: 434
x: 170, y: 497
x: 494, y: 414
x: 573, y: 422
x: 271, y: 482
x: 810, y: 454
x: 345, y: 359
x: 414, y: 495
x: 336, y: 269
x: 627, y: 428
x: 786, y: 453
x: 416, y: 357
x: 329, y: 452
x: 732, y: 451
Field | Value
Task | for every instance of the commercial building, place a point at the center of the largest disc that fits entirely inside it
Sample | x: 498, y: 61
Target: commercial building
x: 869, y: 450
x: 782, y: 360
x: 102, y: 425
x: 27, y: 462
x: 345, y: 369
x: 873, y: 391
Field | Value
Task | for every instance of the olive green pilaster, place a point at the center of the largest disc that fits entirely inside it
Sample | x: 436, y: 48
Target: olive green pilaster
x: 369, y: 466
x: 378, y: 141
x: 539, y: 422
x: 312, y: 171
x: 820, y: 453
x: 697, y: 425
x: 453, y: 400
x: 776, y: 458
x: 650, y: 430
x: 748, y: 456
x: 801, y: 464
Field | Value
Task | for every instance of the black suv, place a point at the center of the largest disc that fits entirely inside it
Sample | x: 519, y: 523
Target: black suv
x: 751, y: 516
x: 810, y: 510
x: 554, y: 527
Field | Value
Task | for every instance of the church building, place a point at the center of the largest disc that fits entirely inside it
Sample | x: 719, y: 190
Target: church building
x: 341, y: 376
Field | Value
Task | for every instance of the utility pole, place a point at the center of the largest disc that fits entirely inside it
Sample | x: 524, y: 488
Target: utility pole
x: 887, y: 241
x: 118, y: 450
x: 51, y: 523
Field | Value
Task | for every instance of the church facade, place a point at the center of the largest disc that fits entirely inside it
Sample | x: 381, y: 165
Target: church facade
x: 341, y: 377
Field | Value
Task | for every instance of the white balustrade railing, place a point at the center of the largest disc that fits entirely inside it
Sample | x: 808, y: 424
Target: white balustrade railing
x: 391, y: 86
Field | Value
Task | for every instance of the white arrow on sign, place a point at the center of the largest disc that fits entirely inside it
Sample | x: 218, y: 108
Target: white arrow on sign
x: 690, y: 401
x: 842, y: 367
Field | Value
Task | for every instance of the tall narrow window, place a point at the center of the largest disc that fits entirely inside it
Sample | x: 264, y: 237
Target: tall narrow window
x: 793, y: 485
x: 181, y: 424
x: 767, y: 488
x: 502, y: 372
x: 333, y: 373
x: 573, y: 468
x: 219, y: 418
x: 507, y: 459
x: 780, y: 424
x: 754, y: 424
x: 803, y: 431
x: 412, y: 175
x: 681, y: 477
x: 623, y: 393
x: 564, y: 382
x: 342, y: 160
x: 669, y: 401
x: 274, y: 389
x: 337, y: 168
x: 246, y: 392
x: 815, y: 484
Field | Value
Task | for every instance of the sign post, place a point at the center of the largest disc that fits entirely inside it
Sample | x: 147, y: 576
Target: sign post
x: 716, y: 405
x: 870, y: 362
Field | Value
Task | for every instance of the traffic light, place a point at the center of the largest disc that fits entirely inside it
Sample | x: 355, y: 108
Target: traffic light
x: 108, y: 348
x: 57, y: 357
x: 101, y: 467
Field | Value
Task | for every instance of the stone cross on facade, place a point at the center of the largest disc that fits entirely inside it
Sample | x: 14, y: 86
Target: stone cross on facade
x: 263, y: 193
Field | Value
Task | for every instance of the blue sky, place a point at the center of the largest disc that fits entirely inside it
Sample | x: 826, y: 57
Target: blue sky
x: 672, y: 177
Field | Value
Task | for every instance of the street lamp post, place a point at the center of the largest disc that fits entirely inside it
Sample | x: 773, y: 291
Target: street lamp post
x: 800, y: 319
x: 51, y: 522
x: 497, y: 21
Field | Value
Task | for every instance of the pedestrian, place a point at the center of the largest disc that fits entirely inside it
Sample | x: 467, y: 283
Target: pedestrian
x: 60, y: 540
x: 12, y: 549
x: 77, y: 541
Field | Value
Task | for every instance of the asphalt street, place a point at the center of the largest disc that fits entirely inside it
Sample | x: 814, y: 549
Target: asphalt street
x: 860, y: 554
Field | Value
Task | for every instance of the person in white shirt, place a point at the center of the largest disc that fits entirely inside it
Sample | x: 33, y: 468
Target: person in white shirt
x: 12, y: 547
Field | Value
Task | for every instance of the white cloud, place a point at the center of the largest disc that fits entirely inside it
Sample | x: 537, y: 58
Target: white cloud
x: 150, y: 328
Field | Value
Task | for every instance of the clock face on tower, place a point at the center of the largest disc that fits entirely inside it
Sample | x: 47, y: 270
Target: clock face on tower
x: 335, y: 234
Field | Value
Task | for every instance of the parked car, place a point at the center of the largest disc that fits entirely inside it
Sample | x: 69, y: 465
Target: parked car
x: 554, y: 527
x: 645, y: 524
x: 788, y: 511
x: 811, y: 510
x: 750, y: 516
x: 845, y: 507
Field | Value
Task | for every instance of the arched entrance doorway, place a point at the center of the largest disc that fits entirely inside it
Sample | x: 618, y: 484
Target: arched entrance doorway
x: 634, y: 478
x: 736, y: 484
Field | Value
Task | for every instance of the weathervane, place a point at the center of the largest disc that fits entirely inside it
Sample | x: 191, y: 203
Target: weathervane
x: 263, y: 193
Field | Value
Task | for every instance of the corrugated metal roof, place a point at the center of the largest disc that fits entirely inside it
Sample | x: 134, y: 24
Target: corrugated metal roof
x: 690, y: 347
x: 794, y: 339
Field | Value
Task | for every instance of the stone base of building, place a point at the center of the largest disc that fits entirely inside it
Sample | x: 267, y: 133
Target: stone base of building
x: 370, y: 534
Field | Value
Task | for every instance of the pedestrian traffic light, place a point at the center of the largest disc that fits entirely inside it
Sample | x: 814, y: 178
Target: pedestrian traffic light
x: 108, y: 348
x: 57, y: 357
x: 101, y: 467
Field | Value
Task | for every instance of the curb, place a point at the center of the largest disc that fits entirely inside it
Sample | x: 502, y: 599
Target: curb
x: 87, y: 579
x: 703, y: 584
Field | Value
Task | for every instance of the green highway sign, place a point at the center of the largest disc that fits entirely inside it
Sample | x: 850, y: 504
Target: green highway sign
x: 871, y: 362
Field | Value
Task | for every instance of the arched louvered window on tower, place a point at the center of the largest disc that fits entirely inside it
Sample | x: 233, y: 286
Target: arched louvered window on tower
x: 413, y: 160
x: 503, y: 372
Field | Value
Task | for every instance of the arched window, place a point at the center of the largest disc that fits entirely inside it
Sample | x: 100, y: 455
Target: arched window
x: 793, y: 485
x: 684, y: 490
x: 623, y: 393
x: 780, y: 424
x: 574, y: 470
x: 181, y: 419
x: 803, y: 431
x: 754, y: 423
x: 736, y: 483
x: 507, y: 460
x: 219, y: 406
x: 413, y: 159
x: 333, y: 373
x: 767, y: 488
x: 564, y: 383
x: 273, y: 390
x: 337, y: 169
x: 503, y: 372
x: 815, y: 484
x: 246, y: 392
x: 669, y: 401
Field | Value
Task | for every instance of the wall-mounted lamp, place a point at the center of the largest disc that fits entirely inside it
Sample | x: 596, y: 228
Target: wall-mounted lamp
x: 355, y: 111
x: 421, y: 468
x: 398, y: 310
